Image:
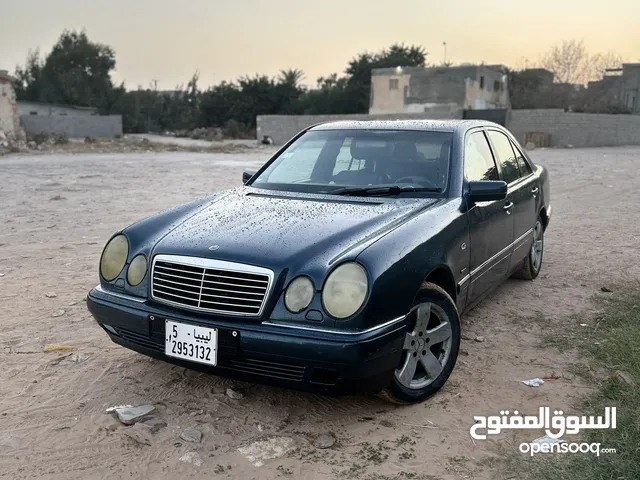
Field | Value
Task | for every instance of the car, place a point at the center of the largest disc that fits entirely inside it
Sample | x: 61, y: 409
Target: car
x: 342, y: 265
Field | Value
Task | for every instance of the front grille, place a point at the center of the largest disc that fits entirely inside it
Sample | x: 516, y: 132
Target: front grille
x: 210, y: 285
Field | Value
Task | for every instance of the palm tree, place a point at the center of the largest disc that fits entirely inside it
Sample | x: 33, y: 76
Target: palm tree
x: 291, y: 77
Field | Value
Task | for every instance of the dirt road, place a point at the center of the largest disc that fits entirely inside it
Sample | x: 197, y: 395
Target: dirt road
x: 58, y: 211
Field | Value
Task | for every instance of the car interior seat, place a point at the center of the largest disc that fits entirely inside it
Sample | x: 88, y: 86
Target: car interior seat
x: 370, y: 174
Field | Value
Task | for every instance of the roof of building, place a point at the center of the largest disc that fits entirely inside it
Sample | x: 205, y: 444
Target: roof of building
x: 57, y: 105
x: 453, y: 69
x: 5, y: 77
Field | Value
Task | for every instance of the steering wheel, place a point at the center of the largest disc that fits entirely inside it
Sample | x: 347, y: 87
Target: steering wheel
x: 422, y: 181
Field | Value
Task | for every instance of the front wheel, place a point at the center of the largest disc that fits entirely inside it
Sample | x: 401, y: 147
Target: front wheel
x: 430, y: 347
x: 533, y: 263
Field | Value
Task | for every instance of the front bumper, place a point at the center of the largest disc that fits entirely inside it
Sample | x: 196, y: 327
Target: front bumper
x: 328, y: 362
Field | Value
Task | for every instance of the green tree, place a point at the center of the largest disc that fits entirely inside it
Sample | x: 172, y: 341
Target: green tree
x: 291, y: 77
x: 75, y: 72
x: 359, y: 70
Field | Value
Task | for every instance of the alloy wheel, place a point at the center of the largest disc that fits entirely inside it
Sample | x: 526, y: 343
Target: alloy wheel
x: 538, y: 245
x: 426, y: 347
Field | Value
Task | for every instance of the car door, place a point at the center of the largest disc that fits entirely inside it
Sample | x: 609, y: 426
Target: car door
x: 523, y: 190
x: 490, y: 224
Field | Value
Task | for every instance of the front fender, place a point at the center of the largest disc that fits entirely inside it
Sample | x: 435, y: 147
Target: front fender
x: 400, y: 261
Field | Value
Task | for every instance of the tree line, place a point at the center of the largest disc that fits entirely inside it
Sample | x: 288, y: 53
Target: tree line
x: 77, y: 71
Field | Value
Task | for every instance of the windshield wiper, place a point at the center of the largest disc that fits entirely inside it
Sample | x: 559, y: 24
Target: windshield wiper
x: 372, y: 191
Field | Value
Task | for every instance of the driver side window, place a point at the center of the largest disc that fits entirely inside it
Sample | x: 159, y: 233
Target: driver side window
x: 478, y: 159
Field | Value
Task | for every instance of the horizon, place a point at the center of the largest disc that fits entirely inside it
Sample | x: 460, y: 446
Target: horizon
x: 224, y: 42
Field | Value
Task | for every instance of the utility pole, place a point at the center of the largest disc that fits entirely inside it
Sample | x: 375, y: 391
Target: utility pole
x: 445, y: 53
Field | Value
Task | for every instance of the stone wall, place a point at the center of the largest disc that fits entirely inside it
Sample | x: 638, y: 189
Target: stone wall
x: 576, y: 129
x: 95, y: 126
x: 9, y: 123
x: 565, y: 128
x: 281, y: 128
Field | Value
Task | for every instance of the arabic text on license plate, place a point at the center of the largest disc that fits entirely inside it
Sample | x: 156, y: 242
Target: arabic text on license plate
x: 189, y: 342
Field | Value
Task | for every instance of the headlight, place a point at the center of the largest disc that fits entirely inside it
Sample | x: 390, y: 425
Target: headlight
x: 345, y: 290
x: 114, y: 257
x: 137, y: 270
x: 299, y: 294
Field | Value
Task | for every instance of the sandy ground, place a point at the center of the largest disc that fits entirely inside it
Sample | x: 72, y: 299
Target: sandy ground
x: 58, y: 211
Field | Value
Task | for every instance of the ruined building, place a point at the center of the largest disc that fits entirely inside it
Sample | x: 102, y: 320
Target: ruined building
x: 438, y: 89
x: 10, y: 130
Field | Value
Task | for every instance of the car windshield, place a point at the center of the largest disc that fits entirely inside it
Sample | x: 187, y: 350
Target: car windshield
x: 372, y: 162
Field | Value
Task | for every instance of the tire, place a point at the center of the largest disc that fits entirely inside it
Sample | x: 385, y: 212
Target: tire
x: 435, y: 333
x: 531, y: 266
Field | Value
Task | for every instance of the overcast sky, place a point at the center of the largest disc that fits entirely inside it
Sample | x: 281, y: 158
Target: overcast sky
x: 169, y: 40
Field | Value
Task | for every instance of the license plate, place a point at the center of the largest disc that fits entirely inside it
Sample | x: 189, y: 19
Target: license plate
x: 189, y: 342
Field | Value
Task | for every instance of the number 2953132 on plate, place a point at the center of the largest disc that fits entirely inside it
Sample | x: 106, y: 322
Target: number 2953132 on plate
x: 190, y: 342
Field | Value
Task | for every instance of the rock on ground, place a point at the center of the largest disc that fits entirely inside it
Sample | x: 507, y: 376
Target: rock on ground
x: 191, y: 435
x: 130, y: 415
x: 325, y: 440
x: 262, y: 450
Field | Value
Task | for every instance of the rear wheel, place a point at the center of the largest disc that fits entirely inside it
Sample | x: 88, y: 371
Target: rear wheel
x: 533, y: 263
x: 430, y: 347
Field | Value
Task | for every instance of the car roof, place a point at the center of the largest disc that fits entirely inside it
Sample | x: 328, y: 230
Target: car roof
x: 454, y: 126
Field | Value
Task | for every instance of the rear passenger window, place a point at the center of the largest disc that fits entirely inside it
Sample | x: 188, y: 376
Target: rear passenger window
x: 478, y: 160
x: 523, y: 165
x: 506, y: 157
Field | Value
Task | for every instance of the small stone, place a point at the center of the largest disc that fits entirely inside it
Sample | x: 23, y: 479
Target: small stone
x: 191, y: 457
x: 464, y: 353
x: 57, y: 197
x: 154, y: 424
x: 479, y: 339
x: 236, y: 393
x: 130, y: 415
x: 466, y: 337
x: 50, y: 295
x: 71, y: 304
x: 191, y: 435
x: 325, y: 440
x: 58, y: 313
x: 624, y: 377
x: 260, y: 428
x: 79, y: 358
x: 1, y: 275
x: 606, y: 290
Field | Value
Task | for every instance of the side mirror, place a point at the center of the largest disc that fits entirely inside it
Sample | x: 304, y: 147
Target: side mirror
x: 246, y: 176
x: 487, y: 190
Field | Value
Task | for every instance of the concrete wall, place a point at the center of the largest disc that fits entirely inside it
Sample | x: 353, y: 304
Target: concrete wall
x: 9, y: 123
x: 73, y: 126
x: 36, y: 108
x: 577, y: 129
x: 282, y: 127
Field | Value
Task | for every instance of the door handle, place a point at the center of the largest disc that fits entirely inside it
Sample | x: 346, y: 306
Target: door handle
x: 534, y: 190
x: 507, y: 208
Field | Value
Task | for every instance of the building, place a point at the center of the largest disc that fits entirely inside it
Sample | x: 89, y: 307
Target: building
x: 9, y: 116
x: 619, y: 87
x: 438, y: 89
x: 630, y: 87
x: 51, y: 109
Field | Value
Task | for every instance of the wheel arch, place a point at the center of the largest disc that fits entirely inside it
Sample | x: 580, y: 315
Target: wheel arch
x: 545, y: 217
x: 442, y: 276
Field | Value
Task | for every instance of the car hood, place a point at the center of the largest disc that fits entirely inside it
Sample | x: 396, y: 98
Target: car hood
x: 285, y: 230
